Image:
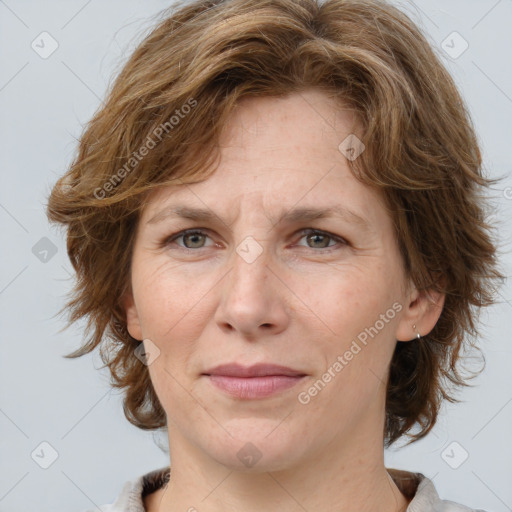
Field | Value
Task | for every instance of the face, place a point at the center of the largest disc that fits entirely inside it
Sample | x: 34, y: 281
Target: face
x: 262, y: 279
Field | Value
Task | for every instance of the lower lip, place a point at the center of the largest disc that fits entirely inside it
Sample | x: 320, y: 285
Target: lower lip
x: 253, y: 387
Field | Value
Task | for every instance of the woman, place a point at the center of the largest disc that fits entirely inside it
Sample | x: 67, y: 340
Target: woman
x: 238, y: 136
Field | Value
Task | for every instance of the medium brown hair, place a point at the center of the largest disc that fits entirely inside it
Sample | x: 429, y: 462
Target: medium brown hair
x: 173, y: 97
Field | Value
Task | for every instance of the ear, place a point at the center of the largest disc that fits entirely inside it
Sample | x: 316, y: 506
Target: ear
x: 422, y: 309
x: 132, y: 316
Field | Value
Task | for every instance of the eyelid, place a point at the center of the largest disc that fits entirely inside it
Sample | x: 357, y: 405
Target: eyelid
x: 337, y: 238
x: 171, y: 238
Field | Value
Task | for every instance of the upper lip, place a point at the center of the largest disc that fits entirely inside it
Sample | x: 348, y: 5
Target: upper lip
x: 257, y: 370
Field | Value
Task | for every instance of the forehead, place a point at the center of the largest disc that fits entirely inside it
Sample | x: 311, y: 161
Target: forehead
x: 308, y: 115
x: 278, y: 153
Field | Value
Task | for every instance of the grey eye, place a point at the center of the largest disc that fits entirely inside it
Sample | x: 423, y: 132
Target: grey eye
x: 196, y: 240
x: 321, y: 240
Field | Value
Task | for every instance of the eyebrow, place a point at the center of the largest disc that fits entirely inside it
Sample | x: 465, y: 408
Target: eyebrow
x: 300, y: 214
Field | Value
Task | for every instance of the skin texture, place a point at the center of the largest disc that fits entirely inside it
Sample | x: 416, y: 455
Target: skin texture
x: 301, y: 303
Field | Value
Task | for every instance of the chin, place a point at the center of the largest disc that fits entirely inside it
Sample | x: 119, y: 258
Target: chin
x: 257, y: 445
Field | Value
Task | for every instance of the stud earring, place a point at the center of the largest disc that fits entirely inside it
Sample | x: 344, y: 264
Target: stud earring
x: 418, y: 335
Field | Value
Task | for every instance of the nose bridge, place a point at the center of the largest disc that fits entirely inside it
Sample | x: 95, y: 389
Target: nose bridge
x: 249, y: 272
x: 251, y: 254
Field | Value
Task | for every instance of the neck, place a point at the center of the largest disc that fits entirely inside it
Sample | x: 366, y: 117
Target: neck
x: 344, y: 477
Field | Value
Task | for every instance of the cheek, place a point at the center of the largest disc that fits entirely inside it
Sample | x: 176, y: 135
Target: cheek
x: 360, y: 307
x: 172, y: 316
x: 169, y: 298
x: 350, y: 300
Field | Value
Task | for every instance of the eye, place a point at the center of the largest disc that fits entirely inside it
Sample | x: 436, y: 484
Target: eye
x: 321, y: 239
x: 192, y: 239
x: 195, y: 239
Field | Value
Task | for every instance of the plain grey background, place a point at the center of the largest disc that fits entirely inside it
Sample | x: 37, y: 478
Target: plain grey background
x: 45, y: 98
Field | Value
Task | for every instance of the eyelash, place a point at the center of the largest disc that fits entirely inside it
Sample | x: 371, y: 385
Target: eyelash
x: 308, y: 231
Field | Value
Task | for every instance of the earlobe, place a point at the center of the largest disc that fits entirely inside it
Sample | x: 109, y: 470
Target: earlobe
x: 420, y: 314
x: 132, y: 316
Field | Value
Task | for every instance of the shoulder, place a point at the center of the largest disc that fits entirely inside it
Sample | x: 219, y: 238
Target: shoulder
x: 131, y: 497
x: 415, y: 486
x: 423, y: 494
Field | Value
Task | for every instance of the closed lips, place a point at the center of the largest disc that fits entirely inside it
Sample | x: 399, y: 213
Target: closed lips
x: 259, y: 370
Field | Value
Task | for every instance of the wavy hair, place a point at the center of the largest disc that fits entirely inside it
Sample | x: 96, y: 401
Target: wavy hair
x: 160, y: 125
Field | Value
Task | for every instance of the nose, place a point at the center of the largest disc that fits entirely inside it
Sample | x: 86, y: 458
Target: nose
x: 253, y: 299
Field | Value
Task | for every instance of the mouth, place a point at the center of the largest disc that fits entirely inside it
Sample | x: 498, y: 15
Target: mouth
x: 254, y: 382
